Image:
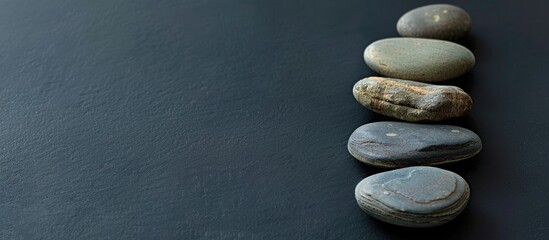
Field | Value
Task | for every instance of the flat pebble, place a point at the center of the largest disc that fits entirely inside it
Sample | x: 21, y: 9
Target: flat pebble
x: 419, y: 59
x: 440, y: 21
x: 414, y: 196
x: 411, y: 101
x: 401, y: 144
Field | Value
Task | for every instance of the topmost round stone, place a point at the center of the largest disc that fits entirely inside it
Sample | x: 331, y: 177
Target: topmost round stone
x: 438, y: 21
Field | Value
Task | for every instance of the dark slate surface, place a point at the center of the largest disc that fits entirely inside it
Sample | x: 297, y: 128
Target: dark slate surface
x: 165, y: 119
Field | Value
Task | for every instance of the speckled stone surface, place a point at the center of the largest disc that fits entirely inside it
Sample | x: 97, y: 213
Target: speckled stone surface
x: 411, y: 101
x: 401, y: 144
x: 439, y: 21
x: 419, y: 59
x: 414, y: 196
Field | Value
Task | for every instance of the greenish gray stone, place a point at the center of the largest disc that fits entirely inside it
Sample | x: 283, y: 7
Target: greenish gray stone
x: 401, y: 144
x: 419, y: 59
x: 439, y: 21
x: 414, y: 196
x: 411, y: 101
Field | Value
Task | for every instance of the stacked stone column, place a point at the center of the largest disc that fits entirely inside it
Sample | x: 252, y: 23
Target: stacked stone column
x: 414, y: 193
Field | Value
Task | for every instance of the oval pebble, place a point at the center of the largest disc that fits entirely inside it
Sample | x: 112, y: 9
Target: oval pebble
x: 411, y: 101
x: 419, y: 59
x: 439, y: 21
x: 400, y: 144
x: 414, y: 196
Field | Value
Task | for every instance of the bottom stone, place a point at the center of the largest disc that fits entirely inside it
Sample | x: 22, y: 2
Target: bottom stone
x: 413, y: 196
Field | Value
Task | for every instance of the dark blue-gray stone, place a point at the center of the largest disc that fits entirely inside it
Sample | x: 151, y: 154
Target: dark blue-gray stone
x: 400, y: 144
x: 414, y: 196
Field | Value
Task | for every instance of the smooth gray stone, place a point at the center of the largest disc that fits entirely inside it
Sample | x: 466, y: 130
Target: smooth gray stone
x: 419, y: 59
x: 414, y: 196
x: 401, y: 144
x: 439, y: 21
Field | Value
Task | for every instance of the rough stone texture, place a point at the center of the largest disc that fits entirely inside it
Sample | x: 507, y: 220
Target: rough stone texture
x: 414, y: 196
x: 400, y: 144
x: 439, y: 21
x: 411, y: 101
x: 419, y: 59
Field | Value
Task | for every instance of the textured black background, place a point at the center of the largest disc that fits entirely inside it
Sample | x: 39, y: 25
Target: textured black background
x: 167, y: 119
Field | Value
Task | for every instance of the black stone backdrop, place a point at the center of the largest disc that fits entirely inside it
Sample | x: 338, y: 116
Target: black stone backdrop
x: 202, y: 119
